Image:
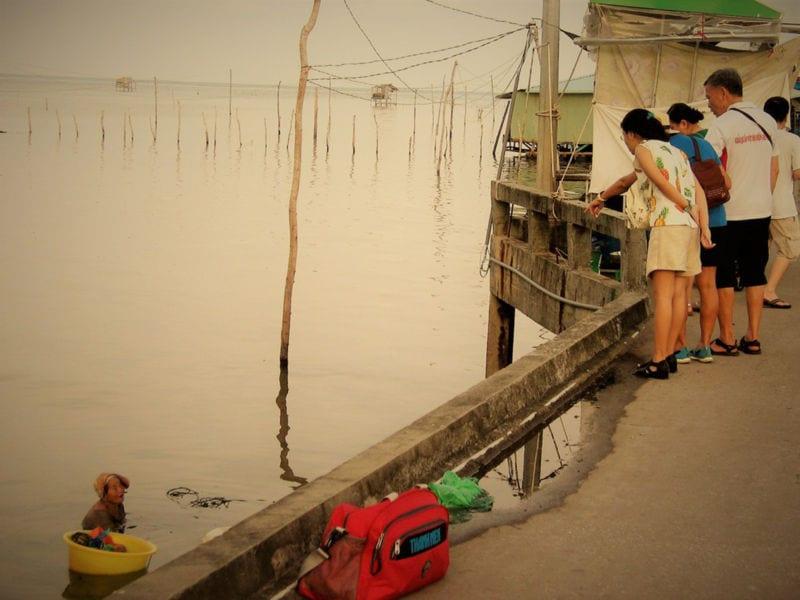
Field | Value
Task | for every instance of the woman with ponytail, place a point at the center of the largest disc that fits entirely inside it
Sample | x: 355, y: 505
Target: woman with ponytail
x: 678, y: 223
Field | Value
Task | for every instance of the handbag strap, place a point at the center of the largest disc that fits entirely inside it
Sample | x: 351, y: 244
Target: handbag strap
x: 697, y: 157
x: 761, y: 127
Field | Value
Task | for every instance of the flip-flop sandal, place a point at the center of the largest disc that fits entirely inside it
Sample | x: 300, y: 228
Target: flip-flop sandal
x: 776, y: 303
x: 728, y: 349
x: 750, y: 346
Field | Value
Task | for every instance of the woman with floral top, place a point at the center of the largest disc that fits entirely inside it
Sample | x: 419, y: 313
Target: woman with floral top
x: 678, y: 224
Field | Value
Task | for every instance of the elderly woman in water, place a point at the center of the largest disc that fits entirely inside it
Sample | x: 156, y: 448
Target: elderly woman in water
x: 108, y: 512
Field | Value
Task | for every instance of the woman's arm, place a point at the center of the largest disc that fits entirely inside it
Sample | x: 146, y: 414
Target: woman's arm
x: 620, y: 186
x: 700, y: 214
x: 653, y: 174
x: 726, y: 177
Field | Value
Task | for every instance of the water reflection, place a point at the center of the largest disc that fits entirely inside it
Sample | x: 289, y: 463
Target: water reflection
x: 91, y: 587
x: 287, y: 474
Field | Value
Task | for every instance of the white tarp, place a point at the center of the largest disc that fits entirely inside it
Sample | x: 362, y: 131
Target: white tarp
x: 626, y: 79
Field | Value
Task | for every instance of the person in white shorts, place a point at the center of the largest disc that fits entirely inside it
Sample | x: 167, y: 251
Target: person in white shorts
x: 784, y: 229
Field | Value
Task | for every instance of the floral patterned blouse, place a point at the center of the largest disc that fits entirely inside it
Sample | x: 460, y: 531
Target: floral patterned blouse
x: 674, y: 166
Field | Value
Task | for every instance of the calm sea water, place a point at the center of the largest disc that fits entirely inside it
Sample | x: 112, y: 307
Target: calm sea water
x: 142, y: 286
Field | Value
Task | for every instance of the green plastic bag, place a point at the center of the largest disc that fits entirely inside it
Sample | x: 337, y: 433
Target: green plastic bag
x: 461, y: 496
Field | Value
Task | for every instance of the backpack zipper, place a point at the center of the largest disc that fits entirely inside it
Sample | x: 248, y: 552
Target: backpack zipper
x: 399, y: 541
x: 376, y: 558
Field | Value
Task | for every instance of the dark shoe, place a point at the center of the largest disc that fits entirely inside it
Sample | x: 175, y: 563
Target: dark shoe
x: 653, y: 370
x: 672, y: 363
x: 727, y: 349
x: 776, y: 303
x: 750, y: 346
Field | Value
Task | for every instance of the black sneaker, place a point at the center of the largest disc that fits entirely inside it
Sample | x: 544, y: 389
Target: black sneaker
x: 653, y: 370
x: 672, y: 363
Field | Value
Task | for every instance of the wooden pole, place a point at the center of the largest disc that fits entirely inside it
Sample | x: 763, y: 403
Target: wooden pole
x: 414, y: 129
x: 215, y: 128
x: 316, y: 112
x: 328, y: 132
x: 377, y: 141
x: 155, y: 92
x: 205, y: 127
x: 279, y: 111
x: 465, y: 109
x: 102, y: 126
x: 75, y: 122
x: 30, y: 125
x: 130, y: 126
x: 230, y: 95
x: 433, y: 114
x: 452, y: 107
x: 179, y: 123
x: 354, y: 135
x: 58, y: 118
x: 265, y: 135
x: 548, y: 69
x: 125, y: 130
x: 438, y: 119
x: 239, y: 128
x: 298, y: 150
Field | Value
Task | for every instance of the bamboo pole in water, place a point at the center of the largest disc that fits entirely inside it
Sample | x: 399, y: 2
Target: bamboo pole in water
x: 465, y: 109
x: 354, y: 135
x: 377, y: 136
x: 30, y: 125
x: 179, y: 123
x: 155, y: 92
x: 58, y: 118
x: 265, y: 135
x: 46, y: 105
x: 75, y: 122
x: 230, y: 94
x: 316, y: 112
x: 125, y: 130
x: 205, y: 127
x: 480, y: 144
x: 102, y: 126
x: 130, y: 126
x: 452, y: 108
x: 438, y: 119
x: 328, y: 132
x: 239, y: 128
x: 298, y: 150
x: 414, y: 129
x: 215, y: 128
x: 279, y: 111
x: 433, y: 114
x: 443, y: 139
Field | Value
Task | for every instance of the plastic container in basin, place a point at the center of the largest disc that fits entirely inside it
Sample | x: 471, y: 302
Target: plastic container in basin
x: 92, y: 561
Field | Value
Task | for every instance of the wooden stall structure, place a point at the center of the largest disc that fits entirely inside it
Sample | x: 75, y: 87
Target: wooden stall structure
x: 384, y: 94
x: 125, y: 84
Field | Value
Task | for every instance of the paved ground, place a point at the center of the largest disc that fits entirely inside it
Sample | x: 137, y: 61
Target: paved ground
x: 697, y: 495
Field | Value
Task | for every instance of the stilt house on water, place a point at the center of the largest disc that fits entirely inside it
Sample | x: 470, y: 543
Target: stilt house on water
x: 125, y: 84
x: 384, y: 94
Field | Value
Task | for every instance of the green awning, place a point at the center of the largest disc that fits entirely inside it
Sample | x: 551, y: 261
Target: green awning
x: 738, y: 8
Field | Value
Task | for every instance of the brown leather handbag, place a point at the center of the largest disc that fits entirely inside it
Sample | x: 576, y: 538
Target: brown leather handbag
x: 710, y: 177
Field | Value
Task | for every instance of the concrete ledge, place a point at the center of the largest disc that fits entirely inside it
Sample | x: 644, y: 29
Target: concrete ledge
x: 267, y: 548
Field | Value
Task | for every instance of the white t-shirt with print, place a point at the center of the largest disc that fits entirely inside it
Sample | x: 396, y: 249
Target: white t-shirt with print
x: 783, y: 205
x: 747, y: 155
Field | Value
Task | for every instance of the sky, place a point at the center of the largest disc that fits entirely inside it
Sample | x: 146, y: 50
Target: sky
x: 199, y: 40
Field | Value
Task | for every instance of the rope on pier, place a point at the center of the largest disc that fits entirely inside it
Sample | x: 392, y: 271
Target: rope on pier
x: 544, y: 290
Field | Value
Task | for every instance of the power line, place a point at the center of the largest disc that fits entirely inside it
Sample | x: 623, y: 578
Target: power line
x: 369, y: 62
x: 378, y: 54
x: 466, y: 12
x: 419, y: 64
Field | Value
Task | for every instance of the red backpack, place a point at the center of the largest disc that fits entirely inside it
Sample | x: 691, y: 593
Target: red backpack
x: 386, y: 550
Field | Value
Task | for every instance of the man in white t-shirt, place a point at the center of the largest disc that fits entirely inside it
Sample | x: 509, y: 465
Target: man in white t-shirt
x: 743, y: 137
x: 784, y: 228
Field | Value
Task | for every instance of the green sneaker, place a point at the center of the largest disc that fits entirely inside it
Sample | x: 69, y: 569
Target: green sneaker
x: 701, y: 354
x: 683, y: 356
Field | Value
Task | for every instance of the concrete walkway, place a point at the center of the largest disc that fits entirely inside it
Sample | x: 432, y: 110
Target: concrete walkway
x: 696, y: 496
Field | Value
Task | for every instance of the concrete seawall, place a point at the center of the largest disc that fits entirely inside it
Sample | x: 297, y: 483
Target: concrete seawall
x: 266, y: 549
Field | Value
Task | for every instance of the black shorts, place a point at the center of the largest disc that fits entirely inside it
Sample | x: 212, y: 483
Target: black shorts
x: 746, y: 245
x: 714, y: 256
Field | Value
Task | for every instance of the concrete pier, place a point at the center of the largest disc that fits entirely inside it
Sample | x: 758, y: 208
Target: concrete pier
x: 693, y: 493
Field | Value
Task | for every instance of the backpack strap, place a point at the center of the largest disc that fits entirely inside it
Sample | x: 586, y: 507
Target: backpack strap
x: 769, y: 137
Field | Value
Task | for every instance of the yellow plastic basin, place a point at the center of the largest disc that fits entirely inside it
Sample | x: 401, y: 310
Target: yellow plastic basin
x: 101, y: 562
